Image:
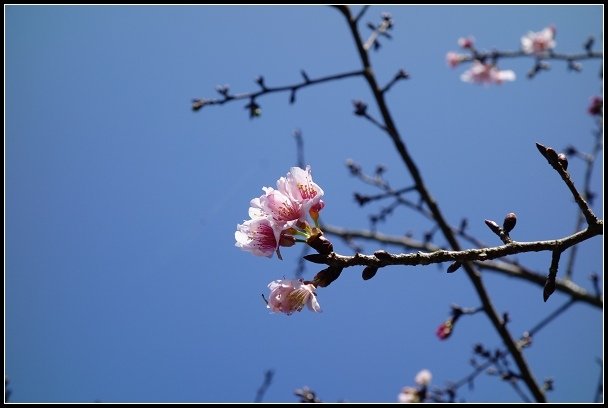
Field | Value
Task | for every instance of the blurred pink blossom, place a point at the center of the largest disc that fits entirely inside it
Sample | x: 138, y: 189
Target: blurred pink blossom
x: 453, y: 58
x: 466, y: 42
x: 482, y: 73
x: 540, y: 42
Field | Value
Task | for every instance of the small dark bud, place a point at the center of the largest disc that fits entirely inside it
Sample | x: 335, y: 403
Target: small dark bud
x: 369, y: 272
x: 493, y: 226
x: 353, y: 167
x: 548, y: 384
x: 325, y: 277
x: 197, y: 104
x: 549, y: 287
x: 316, y: 258
x: 371, y: 26
x: 382, y: 254
x: 305, y: 76
x: 570, y: 151
x: 361, y: 199
x: 589, y: 44
x: 223, y: 90
x: 509, y: 222
x: 402, y: 74
x: 454, y: 267
x: 292, y: 96
x: 360, y: 108
x: 380, y: 169
x: 563, y: 160
x: 260, y: 81
x: 575, y: 66
x: 505, y: 318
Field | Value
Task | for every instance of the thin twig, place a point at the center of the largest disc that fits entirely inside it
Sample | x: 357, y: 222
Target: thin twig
x: 361, y: 13
x: 199, y: 103
x: 259, y: 396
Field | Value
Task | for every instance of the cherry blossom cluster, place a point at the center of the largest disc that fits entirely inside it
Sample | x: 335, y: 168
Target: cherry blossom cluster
x: 486, y: 72
x: 277, y: 218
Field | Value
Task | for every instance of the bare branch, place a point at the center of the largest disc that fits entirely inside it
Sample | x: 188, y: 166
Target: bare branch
x: 505, y: 268
x: 197, y: 104
x: 554, y: 161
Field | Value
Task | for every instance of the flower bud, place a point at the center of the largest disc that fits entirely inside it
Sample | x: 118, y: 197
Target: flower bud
x: 369, y: 272
x: 493, y: 226
x: 509, y: 222
x: 325, y: 277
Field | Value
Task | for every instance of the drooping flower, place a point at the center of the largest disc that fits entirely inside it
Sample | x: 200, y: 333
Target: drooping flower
x: 424, y: 377
x: 540, y: 42
x: 445, y: 329
x: 289, y: 296
x: 257, y: 236
x: 482, y: 73
x: 408, y: 395
x: 453, y: 59
x: 299, y: 187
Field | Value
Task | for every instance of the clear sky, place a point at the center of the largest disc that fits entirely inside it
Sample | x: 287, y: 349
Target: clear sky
x: 122, y: 281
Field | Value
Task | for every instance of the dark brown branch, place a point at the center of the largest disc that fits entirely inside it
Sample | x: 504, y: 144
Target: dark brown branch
x: 197, y: 104
x: 381, y: 259
x: 505, y: 268
x: 553, y: 160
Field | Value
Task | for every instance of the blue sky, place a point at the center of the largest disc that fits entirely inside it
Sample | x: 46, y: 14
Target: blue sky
x: 122, y: 282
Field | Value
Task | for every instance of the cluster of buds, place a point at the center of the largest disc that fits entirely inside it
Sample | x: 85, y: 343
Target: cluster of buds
x: 279, y: 218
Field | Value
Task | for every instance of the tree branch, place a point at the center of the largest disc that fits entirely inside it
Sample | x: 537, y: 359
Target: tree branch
x: 505, y: 268
x: 197, y: 104
x: 471, y: 271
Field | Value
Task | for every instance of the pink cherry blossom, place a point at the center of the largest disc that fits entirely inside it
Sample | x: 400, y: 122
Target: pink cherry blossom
x: 424, y: 378
x: 298, y: 186
x: 257, y: 236
x: 453, y: 58
x: 289, y: 296
x: 540, y: 42
x: 481, y: 73
x: 445, y: 329
x: 466, y: 42
x: 280, y: 207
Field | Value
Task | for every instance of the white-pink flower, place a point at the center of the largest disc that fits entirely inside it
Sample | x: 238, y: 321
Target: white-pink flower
x: 289, y: 296
x: 298, y: 186
x: 540, y: 42
x: 424, y: 377
x: 257, y: 236
x: 481, y: 73
x: 408, y: 395
x: 453, y: 58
